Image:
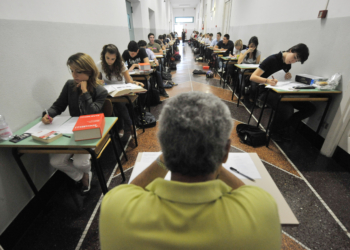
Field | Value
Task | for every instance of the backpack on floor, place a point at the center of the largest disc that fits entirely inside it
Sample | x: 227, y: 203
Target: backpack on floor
x: 172, y: 66
x: 177, y: 57
x: 148, y: 119
x: 251, y: 135
x: 166, y: 76
x: 209, y: 74
x: 199, y: 72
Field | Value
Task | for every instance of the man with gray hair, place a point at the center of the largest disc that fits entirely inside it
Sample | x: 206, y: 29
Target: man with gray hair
x: 204, y: 206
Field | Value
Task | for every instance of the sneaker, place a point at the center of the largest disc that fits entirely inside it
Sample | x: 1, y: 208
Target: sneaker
x: 85, y: 189
x: 165, y: 94
x: 220, y: 70
x: 121, y: 133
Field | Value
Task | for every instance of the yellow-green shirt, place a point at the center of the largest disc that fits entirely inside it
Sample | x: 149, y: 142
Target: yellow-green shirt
x: 176, y: 215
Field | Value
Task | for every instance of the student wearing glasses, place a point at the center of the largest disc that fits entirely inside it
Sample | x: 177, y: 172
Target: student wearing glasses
x: 285, y: 116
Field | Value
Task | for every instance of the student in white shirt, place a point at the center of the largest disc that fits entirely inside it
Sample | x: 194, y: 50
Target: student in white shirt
x: 215, y: 41
x: 209, y: 40
x: 113, y: 71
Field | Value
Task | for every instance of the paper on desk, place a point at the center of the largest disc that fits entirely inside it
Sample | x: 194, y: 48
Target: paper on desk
x: 67, y: 127
x: 249, y: 65
x: 285, y: 85
x: 149, y: 157
x: 279, y: 76
x: 132, y: 72
x: 141, y: 166
x: 243, y: 163
x: 54, y: 126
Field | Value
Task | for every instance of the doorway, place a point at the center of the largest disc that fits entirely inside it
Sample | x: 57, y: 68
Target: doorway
x: 227, y: 17
x: 130, y: 22
x: 178, y: 29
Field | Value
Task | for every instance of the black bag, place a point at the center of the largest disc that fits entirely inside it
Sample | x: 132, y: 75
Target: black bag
x: 199, y: 72
x: 166, y: 76
x: 210, y: 74
x: 168, y: 85
x: 154, y: 96
x: 177, y: 57
x: 173, y: 67
x: 251, y: 135
x: 149, y: 120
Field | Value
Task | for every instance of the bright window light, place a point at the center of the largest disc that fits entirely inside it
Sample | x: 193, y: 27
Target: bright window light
x: 184, y: 19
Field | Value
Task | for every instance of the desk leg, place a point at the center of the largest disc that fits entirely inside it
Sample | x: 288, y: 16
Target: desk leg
x: 236, y: 83
x: 226, y: 71
x: 17, y: 157
x: 133, y: 117
x: 324, y: 114
x: 263, y: 108
x: 239, y: 88
x: 118, y: 160
x: 99, y: 171
x: 272, y: 116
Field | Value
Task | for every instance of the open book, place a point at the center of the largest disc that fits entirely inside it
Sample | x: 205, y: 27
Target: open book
x: 123, y: 89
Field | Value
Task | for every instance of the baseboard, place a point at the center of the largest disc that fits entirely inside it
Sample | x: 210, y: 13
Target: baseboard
x: 340, y: 155
x: 23, y: 221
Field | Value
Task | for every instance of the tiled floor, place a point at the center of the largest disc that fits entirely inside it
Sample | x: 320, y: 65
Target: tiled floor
x: 315, y: 187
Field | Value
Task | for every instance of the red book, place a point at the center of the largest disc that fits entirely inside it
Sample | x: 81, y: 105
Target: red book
x: 89, y: 127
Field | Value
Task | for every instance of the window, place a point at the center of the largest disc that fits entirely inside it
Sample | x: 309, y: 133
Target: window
x: 184, y: 19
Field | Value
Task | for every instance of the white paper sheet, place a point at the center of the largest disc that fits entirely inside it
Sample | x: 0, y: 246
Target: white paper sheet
x: 54, y: 126
x: 251, y: 65
x: 285, y: 85
x: 67, y: 127
x: 244, y: 164
x: 240, y: 161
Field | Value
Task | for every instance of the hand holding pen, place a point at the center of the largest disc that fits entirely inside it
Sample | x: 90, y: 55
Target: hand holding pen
x: 46, y: 118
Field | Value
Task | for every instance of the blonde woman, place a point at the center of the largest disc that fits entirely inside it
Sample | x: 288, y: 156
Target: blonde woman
x: 238, y: 47
x: 84, y: 96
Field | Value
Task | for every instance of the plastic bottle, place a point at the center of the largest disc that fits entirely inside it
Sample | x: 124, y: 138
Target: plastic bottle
x: 5, y: 131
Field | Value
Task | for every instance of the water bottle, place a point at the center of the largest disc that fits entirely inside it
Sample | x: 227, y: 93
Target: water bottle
x: 5, y: 131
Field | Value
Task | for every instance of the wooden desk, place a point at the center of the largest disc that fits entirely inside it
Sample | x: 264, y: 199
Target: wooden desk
x: 242, y: 70
x: 286, y: 215
x: 65, y: 145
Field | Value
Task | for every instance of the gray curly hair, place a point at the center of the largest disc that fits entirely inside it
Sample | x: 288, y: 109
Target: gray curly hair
x: 193, y: 131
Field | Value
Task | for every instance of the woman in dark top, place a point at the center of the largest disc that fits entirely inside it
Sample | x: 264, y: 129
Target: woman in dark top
x: 84, y: 96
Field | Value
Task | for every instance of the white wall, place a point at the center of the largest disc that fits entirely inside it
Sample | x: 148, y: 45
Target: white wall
x: 186, y: 12
x: 142, y: 21
x: 37, y: 37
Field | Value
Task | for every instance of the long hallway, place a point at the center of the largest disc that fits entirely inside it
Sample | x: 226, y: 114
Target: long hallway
x: 315, y: 187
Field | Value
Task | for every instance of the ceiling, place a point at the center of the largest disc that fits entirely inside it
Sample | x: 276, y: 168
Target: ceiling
x: 179, y: 4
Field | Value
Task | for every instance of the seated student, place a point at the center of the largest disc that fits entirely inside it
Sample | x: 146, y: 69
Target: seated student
x: 238, y: 48
x: 113, y: 71
x: 215, y: 41
x: 285, y: 116
x: 151, y: 56
x: 165, y: 40
x: 155, y: 47
x: 133, y: 56
x: 160, y: 38
x: 209, y: 40
x: 203, y: 206
x: 84, y: 96
x: 225, y: 45
x: 168, y: 38
x: 252, y: 54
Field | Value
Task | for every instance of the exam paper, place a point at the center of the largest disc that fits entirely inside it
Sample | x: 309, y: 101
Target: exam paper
x: 243, y: 163
x: 149, y: 157
x: 54, y: 126
x: 285, y: 85
x: 250, y: 65
x: 67, y: 127
x: 140, y: 167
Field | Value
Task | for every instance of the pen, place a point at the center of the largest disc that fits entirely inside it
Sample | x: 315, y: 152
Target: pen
x: 273, y: 78
x: 48, y: 116
x: 235, y: 170
x: 66, y: 136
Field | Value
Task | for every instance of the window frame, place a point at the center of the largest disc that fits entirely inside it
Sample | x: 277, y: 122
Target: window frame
x: 185, y: 17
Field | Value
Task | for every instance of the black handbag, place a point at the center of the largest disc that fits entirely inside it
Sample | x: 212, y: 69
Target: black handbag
x: 251, y: 135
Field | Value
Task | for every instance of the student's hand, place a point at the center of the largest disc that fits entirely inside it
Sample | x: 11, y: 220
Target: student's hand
x: 46, y: 119
x: 288, y: 76
x: 250, y: 50
x: 83, y: 86
x: 135, y: 65
x: 139, y: 84
x: 272, y: 82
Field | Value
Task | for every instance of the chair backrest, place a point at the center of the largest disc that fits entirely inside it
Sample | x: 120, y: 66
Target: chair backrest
x: 107, y: 108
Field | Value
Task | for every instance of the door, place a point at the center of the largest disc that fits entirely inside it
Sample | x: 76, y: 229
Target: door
x: 227, y: 17
x: 130, y: 23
